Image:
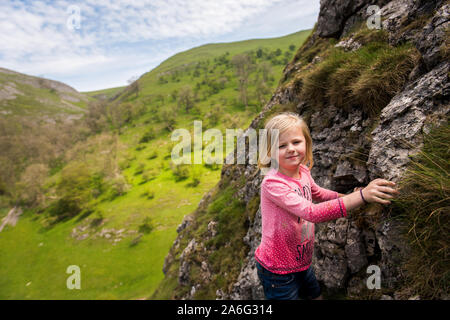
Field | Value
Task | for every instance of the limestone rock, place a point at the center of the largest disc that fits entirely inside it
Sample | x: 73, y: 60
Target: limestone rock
x: 333, y: 14
x: 402, y: 121
x: 354, y: 250
x: 433, y: 36
x: 185, y: 267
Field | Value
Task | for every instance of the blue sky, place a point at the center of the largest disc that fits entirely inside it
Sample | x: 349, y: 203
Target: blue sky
x: 98, y: 44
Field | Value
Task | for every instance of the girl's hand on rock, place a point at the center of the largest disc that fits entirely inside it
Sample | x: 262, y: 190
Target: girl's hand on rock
x: 380, y: 190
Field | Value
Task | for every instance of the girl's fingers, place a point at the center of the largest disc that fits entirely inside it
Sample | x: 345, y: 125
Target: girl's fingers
x: 383, y: 182
x: 383, y: 195
x: 381, y: 200
x: 388, y: 190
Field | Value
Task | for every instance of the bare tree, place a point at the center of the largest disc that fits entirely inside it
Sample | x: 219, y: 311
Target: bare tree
x: 244, y: 66
x: 134, y: 86
x: 261, y: 90
x: 265, y: 68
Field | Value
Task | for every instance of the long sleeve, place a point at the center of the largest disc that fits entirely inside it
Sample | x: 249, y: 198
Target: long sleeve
x: 286, y: 198
x: 321, y: 194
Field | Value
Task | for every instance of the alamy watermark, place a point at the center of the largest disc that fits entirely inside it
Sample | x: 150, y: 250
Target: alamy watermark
x: 374, y: 281
x: 74, y: 20
x: 374, y: 20
x: 213, y: 152
x: 74, y: 280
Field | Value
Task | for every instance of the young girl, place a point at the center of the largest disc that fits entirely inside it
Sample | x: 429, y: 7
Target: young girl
x: 283, y: 258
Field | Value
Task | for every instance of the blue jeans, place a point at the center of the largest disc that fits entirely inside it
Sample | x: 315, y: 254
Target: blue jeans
x: 291, y: 286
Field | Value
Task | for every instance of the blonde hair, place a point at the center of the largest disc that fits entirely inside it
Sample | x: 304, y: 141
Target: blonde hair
x: 283, y: 122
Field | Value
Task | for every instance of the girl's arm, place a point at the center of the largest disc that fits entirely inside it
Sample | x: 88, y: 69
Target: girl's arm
x: 321, y: 194
x: 286, y: 198
x: 343, y: 194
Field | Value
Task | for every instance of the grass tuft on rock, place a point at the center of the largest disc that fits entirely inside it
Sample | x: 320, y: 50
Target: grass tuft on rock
x: 424, y: 203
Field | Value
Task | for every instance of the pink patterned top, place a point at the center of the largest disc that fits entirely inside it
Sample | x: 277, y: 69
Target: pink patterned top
x: 288, y: 217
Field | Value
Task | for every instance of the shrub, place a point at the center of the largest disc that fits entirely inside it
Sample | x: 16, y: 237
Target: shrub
x: 180, y: 171
x: 97, y: 219
x: 147, y: 226
x: 153, y: 155
x: 148, y: 136
x: 149, y: 176
x: 168, y: 118
x: 149, y: 194
x: 195, y: 182
x: 140, y: 168
x: 212, y: 166
x: 31, y: 184
x: 117, y: 187
x: 73, y: 189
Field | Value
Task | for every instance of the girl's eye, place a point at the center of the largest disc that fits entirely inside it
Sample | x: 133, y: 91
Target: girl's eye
x: 282, y: 146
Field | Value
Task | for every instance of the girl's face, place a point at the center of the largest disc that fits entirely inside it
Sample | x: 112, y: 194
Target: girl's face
x: 291, y: 151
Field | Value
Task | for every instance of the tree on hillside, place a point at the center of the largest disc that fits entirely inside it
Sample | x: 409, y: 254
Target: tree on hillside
x: 7, y: 176
x: 30, y: 186
x: 265, y: 69
x: 167, y: 116
x: 96, y: 117
x: 261, y: 90
x: 134, y: 86
x: 186, y: 98
x: 244, y: 66
x: 174, y: 95
x: 73, y: 190
x: 119, y: 114
x: 259, y: 53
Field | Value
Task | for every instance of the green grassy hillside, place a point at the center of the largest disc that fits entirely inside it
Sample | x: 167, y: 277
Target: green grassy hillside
x: 112, y: 204
x: 25, y: 95
x: 104, y: 94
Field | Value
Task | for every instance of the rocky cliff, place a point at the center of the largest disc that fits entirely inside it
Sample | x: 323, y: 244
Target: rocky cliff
x: 353, y: 143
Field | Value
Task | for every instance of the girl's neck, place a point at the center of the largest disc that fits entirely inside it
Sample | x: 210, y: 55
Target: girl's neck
x: 291, y: 173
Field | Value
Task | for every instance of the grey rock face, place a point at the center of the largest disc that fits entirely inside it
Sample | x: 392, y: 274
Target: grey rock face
x: 432, y: 37
x: 342, y: 250
x: 336, y: 17
x: 403, y: 121
x: 393, y: 252
x: 333, y: 15
x: 183, y: 274
x: 355, y: 249
x: 396, y: 14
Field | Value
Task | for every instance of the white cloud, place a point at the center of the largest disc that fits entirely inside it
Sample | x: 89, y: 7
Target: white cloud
x: 35, y: 39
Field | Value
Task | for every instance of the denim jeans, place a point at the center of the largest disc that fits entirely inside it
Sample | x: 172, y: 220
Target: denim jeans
x: 291, y: 286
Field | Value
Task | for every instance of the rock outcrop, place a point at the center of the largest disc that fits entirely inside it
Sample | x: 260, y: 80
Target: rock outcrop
x: 346, y: 247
